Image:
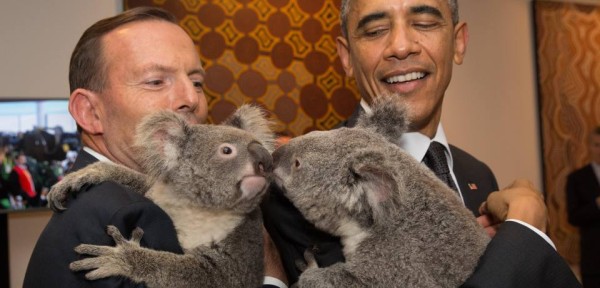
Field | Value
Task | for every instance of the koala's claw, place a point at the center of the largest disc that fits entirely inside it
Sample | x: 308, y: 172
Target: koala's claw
x: 56, y: 200
x: 107, y: 261
x: 136, y: 235
x: 301, y: 265
x: 310, y: 262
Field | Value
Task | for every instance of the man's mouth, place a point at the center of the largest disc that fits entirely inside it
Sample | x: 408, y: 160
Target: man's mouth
x: 405, y: 77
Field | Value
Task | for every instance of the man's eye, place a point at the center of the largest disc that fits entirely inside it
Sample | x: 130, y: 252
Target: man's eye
x: 198, y: 84
x: 374, y: 32
x: 155, y: 82
x: 426, y: 25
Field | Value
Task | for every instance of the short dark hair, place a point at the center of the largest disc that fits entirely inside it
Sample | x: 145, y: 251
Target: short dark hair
x: 345, y: 9
x: 87, y: 68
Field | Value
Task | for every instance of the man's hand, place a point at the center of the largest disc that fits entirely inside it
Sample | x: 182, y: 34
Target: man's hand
x: 519, y: 201
x: 273, y: 266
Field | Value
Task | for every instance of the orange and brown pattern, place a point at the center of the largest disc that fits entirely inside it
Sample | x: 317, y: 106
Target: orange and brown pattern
x: 280, y: 54
x: 568, y: 56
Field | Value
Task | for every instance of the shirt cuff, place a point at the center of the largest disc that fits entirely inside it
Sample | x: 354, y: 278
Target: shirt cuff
x: 542, y: 234
x: 274, y: 281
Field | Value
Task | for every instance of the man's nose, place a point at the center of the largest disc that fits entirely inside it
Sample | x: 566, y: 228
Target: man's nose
x: 187, y: 97
x: 402, y: 43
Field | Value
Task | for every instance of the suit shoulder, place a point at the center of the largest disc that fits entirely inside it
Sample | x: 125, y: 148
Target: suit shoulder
x: 464, y: 158
x: 581, y: 171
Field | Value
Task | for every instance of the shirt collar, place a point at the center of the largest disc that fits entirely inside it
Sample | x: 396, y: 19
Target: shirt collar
x: 96, y: 154
x: 596, y: 168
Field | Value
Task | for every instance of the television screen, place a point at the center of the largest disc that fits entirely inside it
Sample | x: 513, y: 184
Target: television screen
x: 38, y: 143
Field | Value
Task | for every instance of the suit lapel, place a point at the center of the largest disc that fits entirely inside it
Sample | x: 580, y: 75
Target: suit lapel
x: 83, y: 159
x: 474, y: 186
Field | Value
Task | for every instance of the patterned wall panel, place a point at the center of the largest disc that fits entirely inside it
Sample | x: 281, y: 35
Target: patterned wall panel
x: 568, y: 55
x: 280, y: 54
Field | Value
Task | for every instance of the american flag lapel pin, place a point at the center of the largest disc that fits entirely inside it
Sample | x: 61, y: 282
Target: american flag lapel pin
x: 472, y: 186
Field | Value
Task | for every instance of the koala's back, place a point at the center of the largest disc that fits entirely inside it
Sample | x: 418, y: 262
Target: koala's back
x: 431, y: 240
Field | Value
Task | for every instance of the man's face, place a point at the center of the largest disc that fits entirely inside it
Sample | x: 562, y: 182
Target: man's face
x: 595, y: 148
x: 21, y: 160
x: 406, y: 48
x: 151, y: 65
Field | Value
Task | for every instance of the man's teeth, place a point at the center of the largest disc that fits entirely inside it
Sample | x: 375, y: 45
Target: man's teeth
x: 405, y: 77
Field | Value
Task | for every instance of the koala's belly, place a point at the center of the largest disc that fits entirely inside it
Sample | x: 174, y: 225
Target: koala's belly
x: 195, y: 226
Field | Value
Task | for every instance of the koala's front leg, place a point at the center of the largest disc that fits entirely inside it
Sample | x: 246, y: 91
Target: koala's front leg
x: 310, y: 262
x: 152, y: 267
x: 109, y: 261
x: 94, y: 174
x: 329, y: 277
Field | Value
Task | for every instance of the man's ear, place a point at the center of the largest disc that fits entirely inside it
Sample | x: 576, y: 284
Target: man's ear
x: 85, y: 107
x: 344, y: 52
x: 461, y: 39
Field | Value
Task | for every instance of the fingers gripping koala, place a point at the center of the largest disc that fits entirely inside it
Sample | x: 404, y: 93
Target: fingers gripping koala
x: 210, y: 180
x: 399, y: 225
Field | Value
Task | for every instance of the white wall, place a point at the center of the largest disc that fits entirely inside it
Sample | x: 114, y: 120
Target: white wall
x: 491, y: 105
x: 36, y: 41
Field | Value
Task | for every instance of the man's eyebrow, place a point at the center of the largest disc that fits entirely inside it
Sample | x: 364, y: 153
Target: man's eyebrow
x: 369, y: 18
x: 197, y: 71
x: 154, y: 68
x: 426, y: 9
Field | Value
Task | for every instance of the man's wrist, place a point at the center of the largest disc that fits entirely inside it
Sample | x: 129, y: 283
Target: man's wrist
x: 530, y: 210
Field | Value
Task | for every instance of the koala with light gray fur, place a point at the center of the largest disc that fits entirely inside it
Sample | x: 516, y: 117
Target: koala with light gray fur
x: 399, y: 225
x: 210, y: 180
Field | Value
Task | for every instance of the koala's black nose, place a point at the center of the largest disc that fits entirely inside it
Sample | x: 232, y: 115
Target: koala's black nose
x: 263, y: 162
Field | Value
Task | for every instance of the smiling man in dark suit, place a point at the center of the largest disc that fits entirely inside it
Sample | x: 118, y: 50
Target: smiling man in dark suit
x: 583, y: 207
x: 407, y: 49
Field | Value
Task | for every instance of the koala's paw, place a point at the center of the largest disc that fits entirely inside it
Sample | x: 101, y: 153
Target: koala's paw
x: 108, y: 261
x: 59, y: 193
x: 309, y: 261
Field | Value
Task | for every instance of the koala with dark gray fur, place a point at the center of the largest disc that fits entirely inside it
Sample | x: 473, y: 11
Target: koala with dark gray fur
x: 210, y: 180
x: 399, y: 225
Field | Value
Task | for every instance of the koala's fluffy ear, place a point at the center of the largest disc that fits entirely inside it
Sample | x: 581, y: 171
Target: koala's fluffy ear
x: 376, y: 181
x: 159, y: 137
x: 253, y: 120
x: 389, y: 118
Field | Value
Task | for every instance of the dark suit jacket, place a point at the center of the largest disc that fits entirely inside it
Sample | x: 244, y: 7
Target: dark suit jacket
x: 582, y: 190
x: 504, y: 264
x: 85, y: 221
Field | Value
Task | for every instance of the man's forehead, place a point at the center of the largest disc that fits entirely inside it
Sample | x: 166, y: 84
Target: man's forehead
x: 409, y: 6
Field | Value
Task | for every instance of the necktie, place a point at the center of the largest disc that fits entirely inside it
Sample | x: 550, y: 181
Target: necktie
x: 435, y: 159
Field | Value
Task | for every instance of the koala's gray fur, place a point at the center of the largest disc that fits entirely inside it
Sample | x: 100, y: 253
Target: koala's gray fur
x: 400, y: 226
x: 210, y: 180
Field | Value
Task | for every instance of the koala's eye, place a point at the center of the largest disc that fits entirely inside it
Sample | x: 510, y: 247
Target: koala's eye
x: 226, y: 150
x: 297, y: 163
